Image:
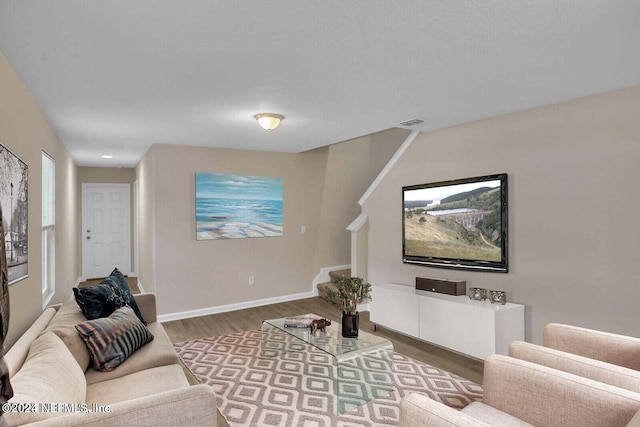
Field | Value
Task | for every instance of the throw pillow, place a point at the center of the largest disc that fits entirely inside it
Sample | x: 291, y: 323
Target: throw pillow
x: 117, y: 276
x: 110, y: 340
x: 100, y: 300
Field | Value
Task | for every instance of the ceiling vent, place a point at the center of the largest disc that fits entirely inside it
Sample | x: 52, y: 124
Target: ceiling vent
x: 411, y: 122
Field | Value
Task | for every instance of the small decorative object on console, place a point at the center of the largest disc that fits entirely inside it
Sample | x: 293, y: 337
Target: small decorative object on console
x: 498, y: 297
x: 320, y: 324
x: 477, y: 294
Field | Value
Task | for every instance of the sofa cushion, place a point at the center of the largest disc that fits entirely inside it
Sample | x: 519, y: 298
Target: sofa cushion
x: 117, y: 276
x: 137, y: 384
x: 110, y: 340
x: 492, y: 416
x: 159, y: 352
x: 63, y: 325
x: 100, y: 300
x: 18, y: 353
x: 49, y: 375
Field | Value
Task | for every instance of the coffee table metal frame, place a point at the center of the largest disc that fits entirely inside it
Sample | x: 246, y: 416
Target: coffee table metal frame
x: 363, y: 364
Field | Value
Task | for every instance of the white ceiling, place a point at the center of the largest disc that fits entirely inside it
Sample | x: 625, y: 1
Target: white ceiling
x: 115, y: 77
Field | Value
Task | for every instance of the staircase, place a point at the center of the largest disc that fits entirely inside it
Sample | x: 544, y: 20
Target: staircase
x: 323, y: 288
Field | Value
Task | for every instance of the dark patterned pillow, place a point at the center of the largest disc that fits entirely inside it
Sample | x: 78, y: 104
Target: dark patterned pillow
x: 121, y: 281
x: 100, y: 300
x: 111, y: 340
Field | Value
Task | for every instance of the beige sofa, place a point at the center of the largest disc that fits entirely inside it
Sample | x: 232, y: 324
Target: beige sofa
x: 521, y: 393
x: 50, y: 364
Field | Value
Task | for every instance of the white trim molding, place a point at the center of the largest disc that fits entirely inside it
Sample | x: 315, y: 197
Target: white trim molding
x: 358, y: 223
x: 231, y: 307
x: 388, y: 166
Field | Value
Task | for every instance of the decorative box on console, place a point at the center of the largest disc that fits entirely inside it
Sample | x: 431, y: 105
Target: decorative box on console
x: 442, y: 286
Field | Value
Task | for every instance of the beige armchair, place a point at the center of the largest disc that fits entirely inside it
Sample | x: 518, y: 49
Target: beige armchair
x: 600, y: 356
x: 521, y: 393
x: 619, y: 350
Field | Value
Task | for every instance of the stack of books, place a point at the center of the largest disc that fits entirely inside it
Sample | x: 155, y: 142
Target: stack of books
x: 298, y: 322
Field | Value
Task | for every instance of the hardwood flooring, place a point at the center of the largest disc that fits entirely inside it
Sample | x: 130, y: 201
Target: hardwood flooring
x: 251, y: 318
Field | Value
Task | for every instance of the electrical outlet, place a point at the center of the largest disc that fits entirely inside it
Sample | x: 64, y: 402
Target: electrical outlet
x: 252, y: 280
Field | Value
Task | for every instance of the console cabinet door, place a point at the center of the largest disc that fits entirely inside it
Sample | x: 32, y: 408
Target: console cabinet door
x: 464, y: 328
x: 395, y: 310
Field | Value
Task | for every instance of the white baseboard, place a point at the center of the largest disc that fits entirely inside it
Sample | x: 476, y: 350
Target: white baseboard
x: 324, y: 277
x: 232, y: 307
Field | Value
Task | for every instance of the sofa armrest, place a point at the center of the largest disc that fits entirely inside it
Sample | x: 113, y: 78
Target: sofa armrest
x: 597, y: 370
x: 611, y: 348
x: 188, y: 406
x: 147, y: 305
x: 418, y: 410
x: 544, y: 396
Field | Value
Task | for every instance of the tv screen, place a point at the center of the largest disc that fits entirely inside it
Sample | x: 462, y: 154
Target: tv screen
x: 456, y: 224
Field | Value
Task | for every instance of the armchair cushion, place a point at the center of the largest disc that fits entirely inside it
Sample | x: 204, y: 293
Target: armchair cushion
x: 418, y: 410
x: 492, y: 416
x: 597, y: 370
x: 544, y: 396
x: 607, y: 347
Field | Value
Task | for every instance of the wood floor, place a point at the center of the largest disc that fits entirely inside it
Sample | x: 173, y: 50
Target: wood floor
x: 251, y: 318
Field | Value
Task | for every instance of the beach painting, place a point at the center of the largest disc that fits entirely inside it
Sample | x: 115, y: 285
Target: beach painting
x: 237, y: 206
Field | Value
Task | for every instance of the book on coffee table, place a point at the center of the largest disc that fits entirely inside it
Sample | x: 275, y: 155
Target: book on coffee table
x: 298, y: 322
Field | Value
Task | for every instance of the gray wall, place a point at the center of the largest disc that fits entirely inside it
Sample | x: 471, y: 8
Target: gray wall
x: 574, y: 240
x: 321, y: 188
x: 26, y: 132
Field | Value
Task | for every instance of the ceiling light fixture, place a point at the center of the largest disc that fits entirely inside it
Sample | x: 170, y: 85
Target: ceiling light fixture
x: 107, y: 156
x: 268, y: 121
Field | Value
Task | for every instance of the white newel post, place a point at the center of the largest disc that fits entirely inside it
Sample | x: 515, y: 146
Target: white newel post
x: 359, y: 229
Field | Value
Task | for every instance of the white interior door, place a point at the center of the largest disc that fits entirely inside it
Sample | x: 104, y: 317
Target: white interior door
x: 106, y: 235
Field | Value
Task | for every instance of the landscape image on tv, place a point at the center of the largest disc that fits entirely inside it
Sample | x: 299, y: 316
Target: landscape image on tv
x: 455, y: 221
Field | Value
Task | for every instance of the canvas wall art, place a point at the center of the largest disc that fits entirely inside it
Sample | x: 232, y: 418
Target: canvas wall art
x: 237, y: 206
x: 13, y: 199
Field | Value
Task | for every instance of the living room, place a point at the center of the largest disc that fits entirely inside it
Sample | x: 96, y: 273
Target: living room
x: 573, y: 247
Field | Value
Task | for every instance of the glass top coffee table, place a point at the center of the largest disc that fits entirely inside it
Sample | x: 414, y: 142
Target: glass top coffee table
x: 361, y: 368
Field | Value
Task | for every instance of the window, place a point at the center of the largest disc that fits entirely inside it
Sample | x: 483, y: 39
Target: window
x: 48, y: 228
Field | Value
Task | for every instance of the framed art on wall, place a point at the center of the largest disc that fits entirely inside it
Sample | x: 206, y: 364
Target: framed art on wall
x: 237, y: 206
x: 13, y: 199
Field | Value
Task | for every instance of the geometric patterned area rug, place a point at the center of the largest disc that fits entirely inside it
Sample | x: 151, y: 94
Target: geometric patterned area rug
x: 297, y: 389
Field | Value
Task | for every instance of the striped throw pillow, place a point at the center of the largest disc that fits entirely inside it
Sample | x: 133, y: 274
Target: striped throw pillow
x: 110, y: 340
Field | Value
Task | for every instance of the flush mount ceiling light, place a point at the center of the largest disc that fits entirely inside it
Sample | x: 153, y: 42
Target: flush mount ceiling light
x: 107, y: 156
x: 268, y: 121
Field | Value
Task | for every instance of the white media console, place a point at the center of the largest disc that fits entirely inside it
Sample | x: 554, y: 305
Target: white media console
x: 474, y: 328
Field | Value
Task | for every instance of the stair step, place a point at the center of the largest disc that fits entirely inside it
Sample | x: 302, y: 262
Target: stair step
x: 335, y: 275
x: 324, y: 288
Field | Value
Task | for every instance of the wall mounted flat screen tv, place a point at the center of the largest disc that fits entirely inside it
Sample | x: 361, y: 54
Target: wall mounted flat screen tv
x: 456, y: 224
